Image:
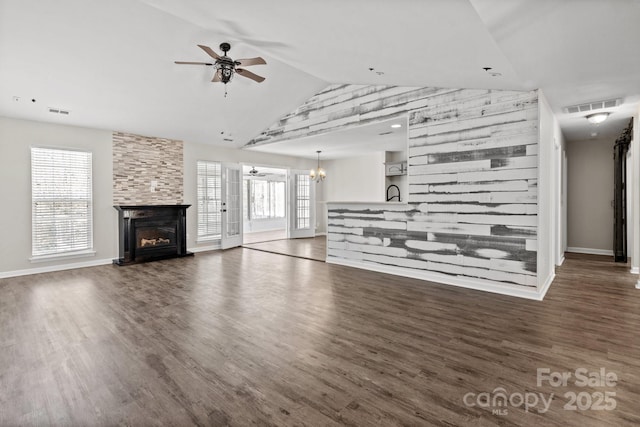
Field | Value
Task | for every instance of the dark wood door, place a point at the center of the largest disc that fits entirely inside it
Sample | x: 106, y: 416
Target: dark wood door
x: 620, y: 150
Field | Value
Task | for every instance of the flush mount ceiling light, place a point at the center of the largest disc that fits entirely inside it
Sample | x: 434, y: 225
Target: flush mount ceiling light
x: 597, y: 117
x: 396, y: 125
x: 318, y: 174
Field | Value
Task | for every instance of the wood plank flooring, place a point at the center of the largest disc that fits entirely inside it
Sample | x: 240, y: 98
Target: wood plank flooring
x: 264, y: 236
x: 244, y: 337
x: 314, y: 248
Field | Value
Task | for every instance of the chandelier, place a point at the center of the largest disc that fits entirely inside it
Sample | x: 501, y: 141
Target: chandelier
x: 318, y: 174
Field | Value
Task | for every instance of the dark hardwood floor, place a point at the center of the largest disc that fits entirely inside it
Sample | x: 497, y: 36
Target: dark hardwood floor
x: 244, y: 337
x: 264, y: 236
x: 314, y: 248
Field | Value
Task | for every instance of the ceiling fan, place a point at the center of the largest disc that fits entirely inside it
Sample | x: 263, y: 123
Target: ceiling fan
x: 254, y: 172
x: 225, y: 67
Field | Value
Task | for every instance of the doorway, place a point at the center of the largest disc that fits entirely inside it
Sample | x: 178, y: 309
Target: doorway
x: 279, y: 212
x: 264, y: 194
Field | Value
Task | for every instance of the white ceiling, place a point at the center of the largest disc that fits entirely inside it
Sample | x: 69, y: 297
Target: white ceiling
x: 110, y: 62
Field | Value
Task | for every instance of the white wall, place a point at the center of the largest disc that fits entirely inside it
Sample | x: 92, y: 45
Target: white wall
x: 547, y: 193
x: 355, y: 179
x: 590, y: 192
x: 16, y: 138
x: 560, y: 193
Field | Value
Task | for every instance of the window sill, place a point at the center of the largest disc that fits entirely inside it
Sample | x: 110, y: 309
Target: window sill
x: 63, y: 256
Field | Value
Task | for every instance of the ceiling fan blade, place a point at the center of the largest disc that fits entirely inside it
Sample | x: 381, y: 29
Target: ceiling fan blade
x: 209, y: 51
x: 193, y: 63
x: 216, y: 77
x: 249, y: 75
x: 250, y: 61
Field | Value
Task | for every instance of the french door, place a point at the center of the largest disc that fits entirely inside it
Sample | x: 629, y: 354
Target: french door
x: 231, y: 211
x: 302, y: 207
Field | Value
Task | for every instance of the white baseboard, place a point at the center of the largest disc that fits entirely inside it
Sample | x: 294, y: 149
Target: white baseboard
x: 590, y: 251
x: 477, y: 284
x: 561, y: 262
x: 638, y: 285
x: 322, y: 233
x: 634, y: 270
x: 52, y: 268
x: 547, y: 284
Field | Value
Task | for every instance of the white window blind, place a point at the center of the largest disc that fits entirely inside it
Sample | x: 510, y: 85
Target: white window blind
x: 209, y: 200
x: 61, y: 201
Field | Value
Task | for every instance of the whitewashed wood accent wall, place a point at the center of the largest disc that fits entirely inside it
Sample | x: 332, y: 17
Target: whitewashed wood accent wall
x: 340, y: 107
x: 472, y: 171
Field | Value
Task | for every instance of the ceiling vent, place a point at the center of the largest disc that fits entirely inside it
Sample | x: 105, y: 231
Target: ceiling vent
x: 591, y: 106
x: 54, y: 110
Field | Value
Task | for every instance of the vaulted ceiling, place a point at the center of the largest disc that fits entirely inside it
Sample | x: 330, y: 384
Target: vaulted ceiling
x: 110, y: 62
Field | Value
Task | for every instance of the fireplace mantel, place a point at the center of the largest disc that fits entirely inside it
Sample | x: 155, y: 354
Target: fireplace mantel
x: 151, y: 232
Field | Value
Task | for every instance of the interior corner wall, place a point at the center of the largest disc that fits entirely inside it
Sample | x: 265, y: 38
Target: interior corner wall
x: 548, y: 175
x: 321, y: 208
x: 590, y: 192
x: 16, y: 139
x: 355, y: 179
x: 560, y: 204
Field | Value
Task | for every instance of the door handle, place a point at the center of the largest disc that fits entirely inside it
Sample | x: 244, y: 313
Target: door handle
x: 223, y: 210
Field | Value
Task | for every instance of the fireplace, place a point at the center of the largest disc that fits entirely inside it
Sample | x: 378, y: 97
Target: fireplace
x: 149, y: 233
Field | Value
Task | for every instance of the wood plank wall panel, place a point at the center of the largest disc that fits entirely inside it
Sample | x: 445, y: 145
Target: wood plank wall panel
x: 472, y: 172
x: 340, y: 107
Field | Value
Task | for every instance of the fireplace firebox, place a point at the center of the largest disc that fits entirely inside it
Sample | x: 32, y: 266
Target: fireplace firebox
x: 151, y: 232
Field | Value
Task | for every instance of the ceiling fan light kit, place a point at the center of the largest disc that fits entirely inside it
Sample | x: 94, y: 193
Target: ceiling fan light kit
x: 225, y: 67
x: 597, y: 117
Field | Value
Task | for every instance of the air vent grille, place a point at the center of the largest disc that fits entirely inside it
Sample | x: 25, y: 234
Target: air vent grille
x: 55, y: 110
x: 591, y: 106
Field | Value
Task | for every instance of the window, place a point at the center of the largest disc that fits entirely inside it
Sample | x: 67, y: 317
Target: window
x: 61, y: 202
x: 209, y: 200
x: 266, y: 199
x: 303, y: 202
